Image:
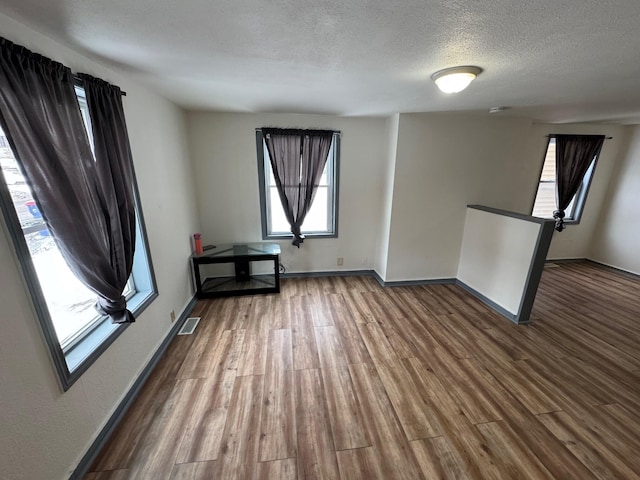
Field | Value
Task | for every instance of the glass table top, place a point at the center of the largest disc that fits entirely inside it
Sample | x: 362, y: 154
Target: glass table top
x: 236, y: 249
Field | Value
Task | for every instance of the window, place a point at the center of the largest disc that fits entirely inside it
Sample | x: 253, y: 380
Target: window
x: 545, y: 201
x: 74, y: 330
x: 322, y: 218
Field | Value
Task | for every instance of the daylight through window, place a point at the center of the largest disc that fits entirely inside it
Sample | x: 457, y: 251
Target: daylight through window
x: 69, y: 301
x: 545, y: 201
x: 63, y: 301
x: 321, y: 220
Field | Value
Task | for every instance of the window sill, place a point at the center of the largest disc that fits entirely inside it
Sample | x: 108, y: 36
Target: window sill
x: 306, y: 236
x: 87, y: 350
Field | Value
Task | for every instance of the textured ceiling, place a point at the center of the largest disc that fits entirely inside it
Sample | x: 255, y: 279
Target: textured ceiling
x: 553, y: 60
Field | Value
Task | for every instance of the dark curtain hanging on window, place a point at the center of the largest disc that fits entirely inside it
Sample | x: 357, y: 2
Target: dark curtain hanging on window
x: 574, y: 154
x: 115, y: 189
x: 297, y: 160
x: 40, y: 115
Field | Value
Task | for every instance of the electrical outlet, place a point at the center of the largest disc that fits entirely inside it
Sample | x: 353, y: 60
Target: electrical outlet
x: 172, y: 315
x: 340, y: 261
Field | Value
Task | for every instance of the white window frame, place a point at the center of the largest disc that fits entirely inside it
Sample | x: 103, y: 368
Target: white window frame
x: 573, y: 215
x: 77, y: 353
x: 332, y: 176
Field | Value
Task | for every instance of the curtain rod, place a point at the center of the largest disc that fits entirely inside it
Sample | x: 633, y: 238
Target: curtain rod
x: 335, y: 132
x: 79, y: 81
x: 553, y: 135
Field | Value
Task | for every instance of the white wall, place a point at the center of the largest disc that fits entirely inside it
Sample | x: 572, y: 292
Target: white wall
x: 445, y: 162
x: 223, y: 150
x: 617, y: 238
x: 405, y: 215
x: 43, y: 431
x: 574, y: 241
x: 496, y: 254
x: 382, y: 252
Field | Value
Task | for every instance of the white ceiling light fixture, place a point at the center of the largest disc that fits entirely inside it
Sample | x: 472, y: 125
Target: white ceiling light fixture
x: 455, y: 79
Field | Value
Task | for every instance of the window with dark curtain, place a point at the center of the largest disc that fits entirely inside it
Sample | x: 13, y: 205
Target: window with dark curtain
x: 298, y: 158
x: 574, y: 156
x: 87, y: 202
x: 87, y: 205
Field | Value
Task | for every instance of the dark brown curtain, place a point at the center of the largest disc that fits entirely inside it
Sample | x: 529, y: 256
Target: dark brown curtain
x: 298, y: 158
x: 40, y: 115
x: 574, y: 154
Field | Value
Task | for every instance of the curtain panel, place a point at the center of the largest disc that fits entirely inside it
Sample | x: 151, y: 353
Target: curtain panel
x: 41, y: 117
x: 298, y: 158
x: 115, y: 176
x: 574, y: 154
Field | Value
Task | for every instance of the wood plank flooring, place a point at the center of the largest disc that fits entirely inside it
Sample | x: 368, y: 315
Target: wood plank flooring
x: 339, y: 378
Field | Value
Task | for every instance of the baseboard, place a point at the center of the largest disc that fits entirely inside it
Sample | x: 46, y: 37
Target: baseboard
x: 596, y: 263
x: 628, y: 273
x: 370, y: 273
x: 335, y: 273
x: 409, y: 283
x: 565, y: 260
x: 490, y: 303
x: 87, y: 460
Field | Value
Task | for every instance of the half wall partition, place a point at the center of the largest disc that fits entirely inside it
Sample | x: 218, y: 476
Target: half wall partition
x: 502, y: 258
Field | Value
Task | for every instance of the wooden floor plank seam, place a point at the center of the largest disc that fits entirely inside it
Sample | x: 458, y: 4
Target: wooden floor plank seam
x: 340, y: 378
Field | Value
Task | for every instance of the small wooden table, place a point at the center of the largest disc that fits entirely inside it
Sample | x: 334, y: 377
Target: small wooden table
x: 242, y: 282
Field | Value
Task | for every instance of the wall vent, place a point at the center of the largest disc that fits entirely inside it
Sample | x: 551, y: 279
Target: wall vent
x: 189, y: 326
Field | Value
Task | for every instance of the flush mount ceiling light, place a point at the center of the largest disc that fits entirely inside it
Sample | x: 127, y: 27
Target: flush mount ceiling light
x: 456, y: 79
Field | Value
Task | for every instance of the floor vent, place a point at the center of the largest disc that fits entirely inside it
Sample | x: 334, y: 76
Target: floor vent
x: 551, y: 265
x: 189, y: 326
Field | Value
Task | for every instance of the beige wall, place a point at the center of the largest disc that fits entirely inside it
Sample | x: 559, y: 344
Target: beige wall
x: 617, y: 237
x: 382, y: 252
x: 43, y: 431
x: 445, y: 162
x: 405, y: 182
x: 223, y: 149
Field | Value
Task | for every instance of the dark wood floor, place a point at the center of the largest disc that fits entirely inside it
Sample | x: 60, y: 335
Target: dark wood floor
x: 340, y: 378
